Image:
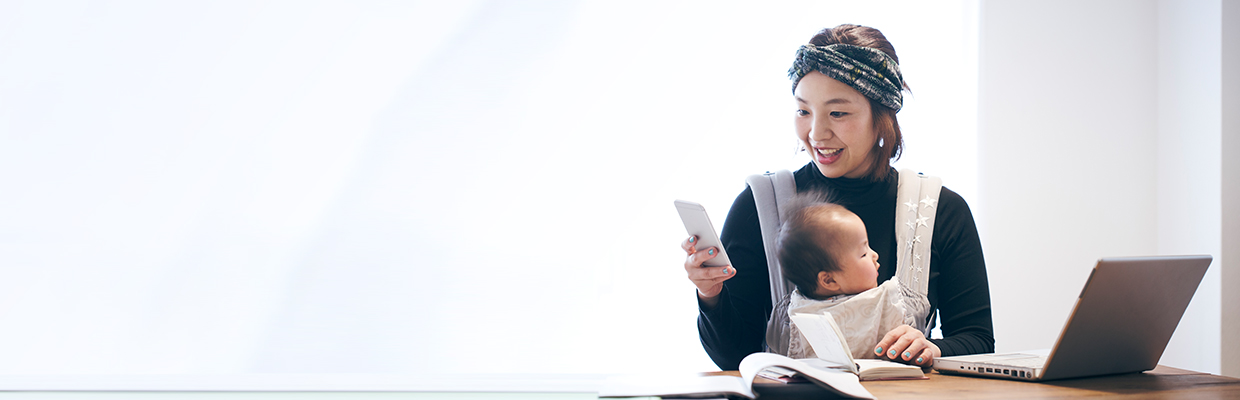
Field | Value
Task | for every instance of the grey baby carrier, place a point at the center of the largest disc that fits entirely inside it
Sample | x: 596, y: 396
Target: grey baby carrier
x: 916, y: 202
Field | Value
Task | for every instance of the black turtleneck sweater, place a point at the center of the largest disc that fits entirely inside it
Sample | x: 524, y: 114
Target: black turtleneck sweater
x: 736, y: 326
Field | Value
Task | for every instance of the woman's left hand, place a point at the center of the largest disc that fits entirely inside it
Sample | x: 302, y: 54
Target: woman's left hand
x: 907, y: 345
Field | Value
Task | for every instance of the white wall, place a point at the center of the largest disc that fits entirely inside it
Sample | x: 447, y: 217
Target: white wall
x: 1097, y: 129
x: 238, y: 187
x: 373, y: 186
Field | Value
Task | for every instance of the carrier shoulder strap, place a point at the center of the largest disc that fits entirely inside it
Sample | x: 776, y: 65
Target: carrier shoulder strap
x: 916, y: 202
x: 769, y: 191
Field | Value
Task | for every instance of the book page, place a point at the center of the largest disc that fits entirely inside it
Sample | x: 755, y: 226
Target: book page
x: 882, y: 370
x: 825, y: 338
x: 842, y: 382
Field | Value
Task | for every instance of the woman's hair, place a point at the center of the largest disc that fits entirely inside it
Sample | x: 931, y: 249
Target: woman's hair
x: 805, y: 240
x: 886, y: 126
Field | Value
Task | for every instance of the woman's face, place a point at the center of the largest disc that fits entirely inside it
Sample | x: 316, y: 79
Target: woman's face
x: 834, y: 123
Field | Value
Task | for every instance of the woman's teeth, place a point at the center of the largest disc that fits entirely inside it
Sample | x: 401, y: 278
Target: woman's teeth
x: 828, y: 153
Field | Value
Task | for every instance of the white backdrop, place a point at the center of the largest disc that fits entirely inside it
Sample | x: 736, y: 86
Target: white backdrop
x: 345, y: 186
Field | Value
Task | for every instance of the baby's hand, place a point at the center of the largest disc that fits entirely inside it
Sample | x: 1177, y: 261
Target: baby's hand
x: 907, y: 345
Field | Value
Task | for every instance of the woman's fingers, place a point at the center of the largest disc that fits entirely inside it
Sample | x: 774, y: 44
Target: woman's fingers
x: 693, y: 262
x: 689, y: 244
x: 899, y: 349
x: 698, y: 272
x: 884, y: 350
x: 712, y: 274
x: 914, y: 350
x: 709, y: 280
x: 927, y: 355
x: 908, y: 345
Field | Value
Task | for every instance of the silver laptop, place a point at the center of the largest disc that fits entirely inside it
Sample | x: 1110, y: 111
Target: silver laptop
x: 1121, y: 323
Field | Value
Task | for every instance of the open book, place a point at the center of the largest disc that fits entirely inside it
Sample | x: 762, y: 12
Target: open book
x: 827, y: 340
x: 840, y: 382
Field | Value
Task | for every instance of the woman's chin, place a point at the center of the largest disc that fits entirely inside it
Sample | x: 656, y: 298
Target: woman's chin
x: 838, y: 168
x: 829, y: 170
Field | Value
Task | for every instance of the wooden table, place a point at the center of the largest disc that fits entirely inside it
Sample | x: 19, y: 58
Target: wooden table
x: 1161, y: 383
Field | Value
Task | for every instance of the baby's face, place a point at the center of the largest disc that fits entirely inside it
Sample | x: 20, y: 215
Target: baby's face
x: 858, y: 262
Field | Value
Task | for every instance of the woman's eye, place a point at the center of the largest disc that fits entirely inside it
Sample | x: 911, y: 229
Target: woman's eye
x: 802, y: 113
x: 838, y: 114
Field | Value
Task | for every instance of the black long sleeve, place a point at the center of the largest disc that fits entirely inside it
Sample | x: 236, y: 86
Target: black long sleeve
x: 736, y: 326
x: 959, y: 292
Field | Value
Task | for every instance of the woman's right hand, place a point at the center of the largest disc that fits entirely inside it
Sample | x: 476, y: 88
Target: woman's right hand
x: 709, y: 280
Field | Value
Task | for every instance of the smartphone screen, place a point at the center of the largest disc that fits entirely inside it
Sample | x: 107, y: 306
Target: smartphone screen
x: 698, y: 224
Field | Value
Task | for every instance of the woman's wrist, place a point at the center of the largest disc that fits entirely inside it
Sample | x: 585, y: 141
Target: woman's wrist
x: 708, y: 302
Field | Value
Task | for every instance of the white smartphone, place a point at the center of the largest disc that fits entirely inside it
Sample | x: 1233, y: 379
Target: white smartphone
x: 698, y: 224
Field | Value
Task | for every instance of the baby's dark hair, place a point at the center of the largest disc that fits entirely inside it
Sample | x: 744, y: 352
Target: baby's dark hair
x: 805, y: 240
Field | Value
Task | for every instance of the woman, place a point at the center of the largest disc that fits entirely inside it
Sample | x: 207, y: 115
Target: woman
x: 848, y: 126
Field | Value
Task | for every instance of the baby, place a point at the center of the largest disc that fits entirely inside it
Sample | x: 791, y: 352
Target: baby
x: 825, y: 252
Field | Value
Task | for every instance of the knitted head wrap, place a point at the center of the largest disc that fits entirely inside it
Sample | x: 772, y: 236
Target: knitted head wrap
x: 871, y: 71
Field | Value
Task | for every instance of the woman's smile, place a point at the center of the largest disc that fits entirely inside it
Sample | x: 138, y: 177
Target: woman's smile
x: 827, y: 156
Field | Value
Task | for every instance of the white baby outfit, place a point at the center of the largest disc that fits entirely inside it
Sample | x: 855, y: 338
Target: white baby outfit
x: 864, y: 318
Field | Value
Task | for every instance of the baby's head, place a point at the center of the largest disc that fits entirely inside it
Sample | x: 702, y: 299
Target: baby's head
x: 823, y: 249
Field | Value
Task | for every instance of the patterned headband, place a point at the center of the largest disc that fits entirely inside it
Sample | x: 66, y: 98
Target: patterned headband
x: 871, y: 71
